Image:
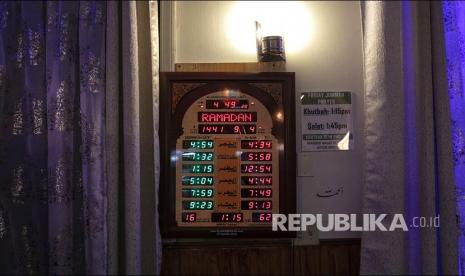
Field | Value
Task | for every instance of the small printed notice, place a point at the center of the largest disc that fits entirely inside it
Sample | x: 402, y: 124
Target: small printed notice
x: 327, y: 123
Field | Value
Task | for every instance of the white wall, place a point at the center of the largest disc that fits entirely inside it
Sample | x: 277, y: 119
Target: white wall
x: 332, y: 60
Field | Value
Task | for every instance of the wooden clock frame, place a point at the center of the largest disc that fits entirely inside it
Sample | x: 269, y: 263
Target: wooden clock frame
x: 178, y: 90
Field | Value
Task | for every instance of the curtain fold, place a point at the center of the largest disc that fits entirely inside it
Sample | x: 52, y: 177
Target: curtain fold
x: 155, y: 42
x: 113, y: 141
x: 131, y: 135
x: 92, y: 57
x: 77, y: 184
x: 52, y: 129
x: 408, y: 149
x: 454, y: 31
x: 23, y: 139
x: 139, y: 245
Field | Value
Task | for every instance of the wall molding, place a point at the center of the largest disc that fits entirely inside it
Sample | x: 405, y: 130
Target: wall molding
x: 167, y: 35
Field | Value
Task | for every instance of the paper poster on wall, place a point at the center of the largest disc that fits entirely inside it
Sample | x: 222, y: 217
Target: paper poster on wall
x: 327, y: 123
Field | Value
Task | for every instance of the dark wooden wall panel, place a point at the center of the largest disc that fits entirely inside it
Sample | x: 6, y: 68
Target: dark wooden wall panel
x: 354, y: 255
x: 329, y: 258
x: 307, y: 260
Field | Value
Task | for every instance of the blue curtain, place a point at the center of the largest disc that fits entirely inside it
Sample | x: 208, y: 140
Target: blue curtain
x: 454, y: 34
x: 409, y: 158
x: 52, y: 107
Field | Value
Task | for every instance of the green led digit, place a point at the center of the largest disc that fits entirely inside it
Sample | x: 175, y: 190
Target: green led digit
x: 197, y: 156
x: 198, y: 144
x: 196, y: 180
x: 197, y: 192
x: 209, y: 205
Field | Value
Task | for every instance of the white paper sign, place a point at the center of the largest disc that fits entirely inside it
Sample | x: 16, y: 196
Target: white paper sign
x: 327, y: 123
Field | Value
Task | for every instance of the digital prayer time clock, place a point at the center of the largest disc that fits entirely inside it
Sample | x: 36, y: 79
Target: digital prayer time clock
x: 227, y: 145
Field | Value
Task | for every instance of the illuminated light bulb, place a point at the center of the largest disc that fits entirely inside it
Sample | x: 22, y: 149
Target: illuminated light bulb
x: 289, y: 19
x: 279, y: 116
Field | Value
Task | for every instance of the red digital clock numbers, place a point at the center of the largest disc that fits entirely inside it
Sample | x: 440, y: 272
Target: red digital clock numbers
x: 227, y: 104
x: 262, y: 217
x: 256, y: 144
x: 256, y: 156
x: 256, y: 193
x: 256, y: 180
x: 189, y: 217
x: 256, y: 168
x: 227, y: 129
x: 256, y: 205
x: 227, y: 217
